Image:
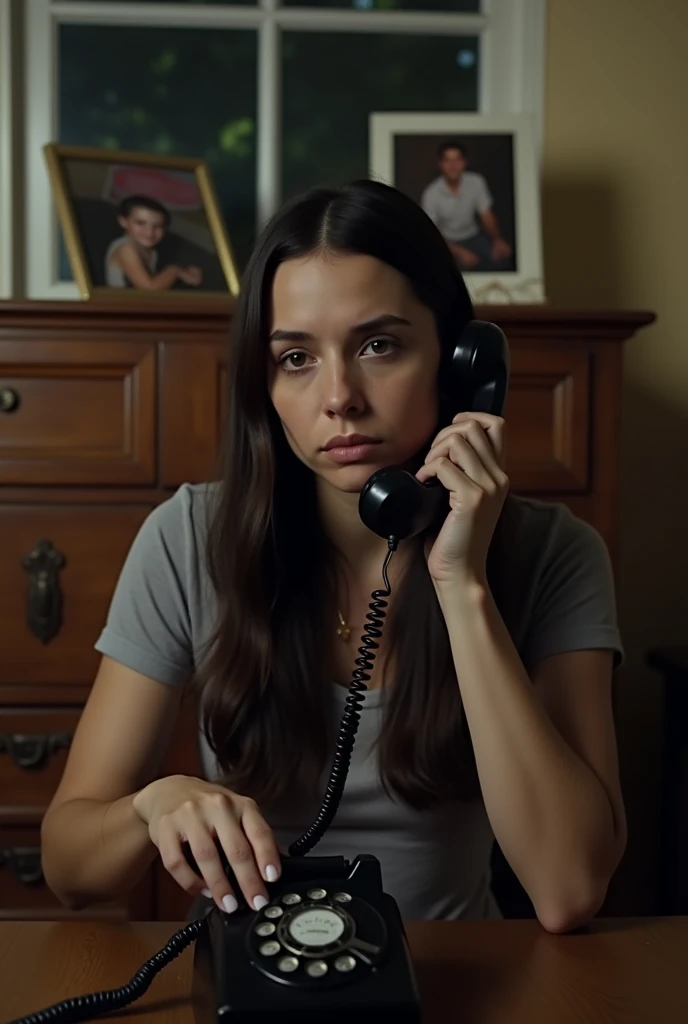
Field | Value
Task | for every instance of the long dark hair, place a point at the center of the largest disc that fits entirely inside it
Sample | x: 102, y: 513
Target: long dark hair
x: 266, y: 693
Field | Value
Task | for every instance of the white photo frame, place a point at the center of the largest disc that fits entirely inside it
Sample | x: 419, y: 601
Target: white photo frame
x: 404, y: 153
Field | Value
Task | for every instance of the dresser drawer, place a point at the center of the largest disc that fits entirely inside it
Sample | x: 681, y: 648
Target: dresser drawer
x: 33, y: 750
x: 24, y: 893
x: 59, y: 565
x: 77, y: 412
x: 548, y: 420
x: 193, y: 385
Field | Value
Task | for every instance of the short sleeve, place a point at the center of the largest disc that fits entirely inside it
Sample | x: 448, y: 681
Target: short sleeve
x: 148, y: 626
x: 575, y: 602
x: 483, y: 196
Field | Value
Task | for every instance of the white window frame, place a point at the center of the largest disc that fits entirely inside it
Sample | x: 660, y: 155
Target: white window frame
x: 511, y: 72
x: 6, y: 169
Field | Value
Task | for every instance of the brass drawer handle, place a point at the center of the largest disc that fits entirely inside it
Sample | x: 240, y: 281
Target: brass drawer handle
x: 9, y: 400
x: 44, y: 597
x: 24, y: 862
x: 32, y: 751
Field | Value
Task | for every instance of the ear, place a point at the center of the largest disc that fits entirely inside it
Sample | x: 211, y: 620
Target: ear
x: 123, y: 223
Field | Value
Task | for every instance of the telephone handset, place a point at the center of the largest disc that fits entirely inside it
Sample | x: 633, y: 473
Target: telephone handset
x: 393, y: 503
x: 330, y: 944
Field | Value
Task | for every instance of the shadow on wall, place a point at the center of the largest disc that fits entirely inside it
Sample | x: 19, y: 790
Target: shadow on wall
x: 653, y: 610
x: 585, y: 266
x: 579, y: 229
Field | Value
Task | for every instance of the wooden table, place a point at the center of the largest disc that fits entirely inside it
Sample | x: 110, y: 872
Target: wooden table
x: 620, y: 971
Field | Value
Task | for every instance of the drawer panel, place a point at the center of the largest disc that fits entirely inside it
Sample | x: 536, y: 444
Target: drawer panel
x: 548, y: 421
x: 24, y: 893
x: 77, y: 412
x: 193, y: 384
x: 33, y: 750
x: 58, y: 565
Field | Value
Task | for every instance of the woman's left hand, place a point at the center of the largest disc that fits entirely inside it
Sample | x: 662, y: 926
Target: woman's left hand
x: 467, y: 458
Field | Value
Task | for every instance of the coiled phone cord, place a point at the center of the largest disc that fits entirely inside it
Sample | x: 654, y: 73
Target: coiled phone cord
x: 87, y: 1007
x: 80, y: 1008
x: 352, y: 715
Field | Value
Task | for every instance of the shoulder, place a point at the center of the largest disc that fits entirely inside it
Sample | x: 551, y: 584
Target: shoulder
x: 475, y: 180
x: 551, y: 525
x: 123, y: 242
x: 545, y: 533
x: 171, y: 542
x: 431, y: 190
x: 117, y: 244
x: 560, y: 580
x: 183, y: 518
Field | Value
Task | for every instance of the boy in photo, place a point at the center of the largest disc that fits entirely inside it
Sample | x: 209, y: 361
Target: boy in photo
x: 131, y: 260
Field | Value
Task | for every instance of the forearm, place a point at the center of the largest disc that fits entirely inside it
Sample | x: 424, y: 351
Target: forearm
x: 461, y: 253
x: 94, y: 851
x: 164, y: 279
x: 491, y: 226
x: 550, y: 814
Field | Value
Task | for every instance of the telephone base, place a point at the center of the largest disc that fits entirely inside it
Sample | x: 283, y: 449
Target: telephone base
x: 328, y: 947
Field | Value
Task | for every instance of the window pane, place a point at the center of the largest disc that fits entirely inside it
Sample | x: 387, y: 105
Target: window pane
x: 392, y: 5
x: 325, y: 136
x: 171, y: 91
x: 226, y: 3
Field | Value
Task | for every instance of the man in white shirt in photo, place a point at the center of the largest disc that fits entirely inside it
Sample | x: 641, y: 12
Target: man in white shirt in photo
x: 460, y: 203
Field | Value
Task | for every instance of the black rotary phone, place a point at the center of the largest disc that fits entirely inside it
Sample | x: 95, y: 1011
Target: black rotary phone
x: 330, y: 944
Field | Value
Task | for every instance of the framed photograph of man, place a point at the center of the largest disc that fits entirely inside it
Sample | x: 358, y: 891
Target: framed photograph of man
x: 476, y: 176
x: 136, y: 224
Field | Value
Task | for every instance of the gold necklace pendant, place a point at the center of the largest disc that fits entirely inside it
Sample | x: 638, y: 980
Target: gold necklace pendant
x: 343, y: 629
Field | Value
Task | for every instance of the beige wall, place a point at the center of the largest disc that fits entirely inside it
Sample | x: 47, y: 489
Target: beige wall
x: 615, y: 217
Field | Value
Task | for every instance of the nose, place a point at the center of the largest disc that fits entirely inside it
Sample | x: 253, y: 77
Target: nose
x: 343, y: 395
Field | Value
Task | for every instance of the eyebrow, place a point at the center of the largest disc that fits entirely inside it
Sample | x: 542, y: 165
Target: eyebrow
x: 386, y: 320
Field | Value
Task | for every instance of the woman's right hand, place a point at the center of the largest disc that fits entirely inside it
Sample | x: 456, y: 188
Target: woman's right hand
x: 180, y: 807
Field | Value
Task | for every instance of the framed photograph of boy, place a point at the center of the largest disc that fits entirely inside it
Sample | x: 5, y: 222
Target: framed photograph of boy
x: 137, y: 224
x: 476, y: 176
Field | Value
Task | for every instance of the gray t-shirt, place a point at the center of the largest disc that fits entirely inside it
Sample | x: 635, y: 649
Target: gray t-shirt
x: 455, y: 213
x: 435, y: 863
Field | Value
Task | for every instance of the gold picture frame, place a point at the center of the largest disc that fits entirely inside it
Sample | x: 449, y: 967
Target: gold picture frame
x: 93, y: 189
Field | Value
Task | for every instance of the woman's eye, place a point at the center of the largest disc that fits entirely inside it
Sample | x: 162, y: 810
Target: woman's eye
x: 293, y: 361
x: 381, y: 346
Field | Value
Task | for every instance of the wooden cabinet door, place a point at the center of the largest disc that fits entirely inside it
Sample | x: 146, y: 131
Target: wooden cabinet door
x: 58, y: 565
x: 192, y: 409
x: 548, y: 420
x: 77, y: 412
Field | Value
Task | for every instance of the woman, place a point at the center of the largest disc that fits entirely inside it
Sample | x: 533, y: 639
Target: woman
x: 489, y: 711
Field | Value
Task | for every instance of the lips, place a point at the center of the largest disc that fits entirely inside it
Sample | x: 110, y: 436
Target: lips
x: 349, y: 441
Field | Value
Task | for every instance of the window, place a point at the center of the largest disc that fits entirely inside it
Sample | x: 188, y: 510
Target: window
x: 275, y: 95
x: 6, y: 143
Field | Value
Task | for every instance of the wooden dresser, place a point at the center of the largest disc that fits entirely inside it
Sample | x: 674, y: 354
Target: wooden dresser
x: 104, y: 410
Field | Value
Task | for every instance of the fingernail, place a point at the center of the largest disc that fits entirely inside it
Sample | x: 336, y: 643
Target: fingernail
x: 259, y: 902
x: 271, y: 873
x: 229, y: 904
x: 207, y: 892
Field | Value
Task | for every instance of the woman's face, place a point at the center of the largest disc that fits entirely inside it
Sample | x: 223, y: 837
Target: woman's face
x: 353, y: 355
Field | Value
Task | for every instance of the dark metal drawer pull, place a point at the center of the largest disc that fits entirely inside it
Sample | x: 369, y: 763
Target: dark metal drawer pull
x: 32, y: 751
x: 24, y: 862
x: 43, y: 596
x: 9, y: 400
